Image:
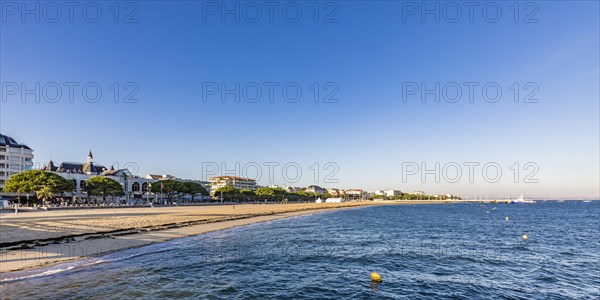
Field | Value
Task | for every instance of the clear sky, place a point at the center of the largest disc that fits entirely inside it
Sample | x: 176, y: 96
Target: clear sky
x: 370, y: 61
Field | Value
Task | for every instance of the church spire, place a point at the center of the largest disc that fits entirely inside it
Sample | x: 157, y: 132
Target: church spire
x: 90, y: 157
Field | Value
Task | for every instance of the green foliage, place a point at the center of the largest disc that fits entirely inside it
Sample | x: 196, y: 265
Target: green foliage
x: 300, y: 196
x: 191, y: 188
x: 228, y: 193
x: 303, y: 194
x: 36, y: 181
x: 169, y: 188
x: 265, y: 193
x: 274, y: 194
x: 247, y: 195
x: 103, y: 186
x: 45, y: 194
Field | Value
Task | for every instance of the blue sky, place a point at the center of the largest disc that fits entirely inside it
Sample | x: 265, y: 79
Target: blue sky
x: 370, y: 135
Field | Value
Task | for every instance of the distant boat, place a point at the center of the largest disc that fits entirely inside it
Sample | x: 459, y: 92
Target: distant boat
x: 522, y: 201
x: 587, y: 201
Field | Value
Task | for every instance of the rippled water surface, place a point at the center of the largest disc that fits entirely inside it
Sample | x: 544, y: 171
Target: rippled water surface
x: 421, y: 251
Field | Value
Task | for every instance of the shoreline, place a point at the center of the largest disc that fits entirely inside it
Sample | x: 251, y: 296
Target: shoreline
x: 43, y: 252
x: 75, y: 248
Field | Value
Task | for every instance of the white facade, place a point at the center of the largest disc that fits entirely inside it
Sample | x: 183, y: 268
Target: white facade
x: 137, y: 189
x: 334, y: 200
x: 315, y: 189
x: 291, y: 189
x: 392, y: 193
x: 239, y: 183
x: 356, y: 194
x: 388, y: 193
x: 14, y: 158
x: 335, y: 192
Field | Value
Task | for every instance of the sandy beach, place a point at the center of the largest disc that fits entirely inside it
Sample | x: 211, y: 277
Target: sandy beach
x: 42, y: 238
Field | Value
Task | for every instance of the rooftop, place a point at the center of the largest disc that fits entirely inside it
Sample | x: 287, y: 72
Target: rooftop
x: 8, y: 141
x: 230, y: 178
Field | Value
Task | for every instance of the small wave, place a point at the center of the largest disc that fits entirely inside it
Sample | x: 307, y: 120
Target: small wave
x: 85, y: 262
x: 63, y: 267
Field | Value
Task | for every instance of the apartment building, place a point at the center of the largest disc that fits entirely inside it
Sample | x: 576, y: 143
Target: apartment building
x: 14, y: 158
x: 239, y: 183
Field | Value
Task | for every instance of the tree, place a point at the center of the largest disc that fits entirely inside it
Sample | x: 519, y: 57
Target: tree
x: 45, y: 194
x: 192, y: 188
x: 169, y: 187
x: 104, y: 186
x: 300, y: 196
x: 274, y: 194
x: 228, y: 193
x: 36, y: 181
x: 265, y: 193
x: 247, y: 195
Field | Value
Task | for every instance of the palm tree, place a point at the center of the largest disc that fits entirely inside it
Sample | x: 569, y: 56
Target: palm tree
x: 45, y: 194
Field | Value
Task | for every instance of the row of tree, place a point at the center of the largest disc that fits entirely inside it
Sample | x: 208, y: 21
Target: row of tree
x: 414, y: 197
x: 173, y: 189
x: 46, y: 185
x: 229, y: 193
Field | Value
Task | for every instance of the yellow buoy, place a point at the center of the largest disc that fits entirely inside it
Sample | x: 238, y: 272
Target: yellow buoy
x: 506, y: 219
x: 375, y: 277
x: 525, y: 237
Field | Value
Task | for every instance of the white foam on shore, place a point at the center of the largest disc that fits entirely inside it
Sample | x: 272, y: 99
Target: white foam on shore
x: 29, y: 274
x: 133, y: 252
x: 90, y: 261
x: 83, y: 262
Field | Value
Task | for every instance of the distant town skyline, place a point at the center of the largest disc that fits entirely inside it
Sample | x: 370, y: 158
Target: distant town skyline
x: 376, y: 100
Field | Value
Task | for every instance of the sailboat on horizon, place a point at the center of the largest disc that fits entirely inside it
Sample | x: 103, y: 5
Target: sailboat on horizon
x: 520, y: 200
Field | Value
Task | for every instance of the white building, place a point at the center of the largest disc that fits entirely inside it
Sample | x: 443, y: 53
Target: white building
x: 393, y: 193
x: 136, y: 188
x: 335, y: 192
x: 388, y: 193
x: 291, y: 189
x: 239, y: 183
x: 160, y: 177
x: 334, y: 200
x: 356, y: 194
x: 14, y: 158
x: 315, y: 189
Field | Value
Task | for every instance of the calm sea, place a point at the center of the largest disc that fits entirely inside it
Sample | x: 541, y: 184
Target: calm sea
x: 421, y: 251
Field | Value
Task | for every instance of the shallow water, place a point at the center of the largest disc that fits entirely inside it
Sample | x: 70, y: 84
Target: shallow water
x: 422, y: 251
